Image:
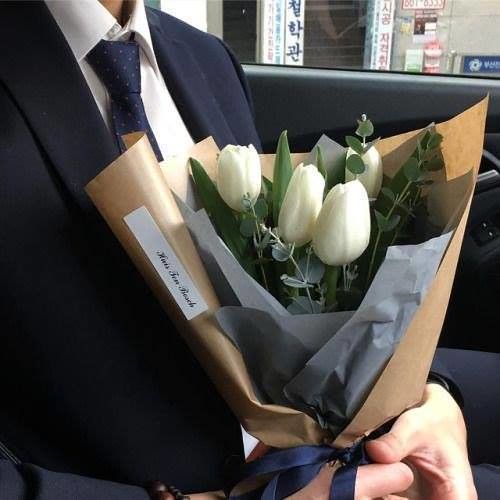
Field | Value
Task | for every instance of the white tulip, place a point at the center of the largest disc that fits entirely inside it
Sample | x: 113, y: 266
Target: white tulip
x: 342, y: 230
x: 238, y: 175
x: 372, y: 177
x: 301, y: 205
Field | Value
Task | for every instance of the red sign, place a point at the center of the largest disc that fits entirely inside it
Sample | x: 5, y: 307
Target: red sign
x: 423, y: 4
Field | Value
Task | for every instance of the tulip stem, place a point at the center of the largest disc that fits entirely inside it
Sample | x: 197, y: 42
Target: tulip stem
x: 259, y: 249
x: 303, y: 278
x: 372, y: 259
x: 396, y: 201
x: 331, y: 280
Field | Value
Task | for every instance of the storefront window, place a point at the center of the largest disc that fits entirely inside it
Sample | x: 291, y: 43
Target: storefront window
x: 419, y: 36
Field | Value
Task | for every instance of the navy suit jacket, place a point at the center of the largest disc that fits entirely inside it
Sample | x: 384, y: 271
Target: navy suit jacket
x: 94, y: 380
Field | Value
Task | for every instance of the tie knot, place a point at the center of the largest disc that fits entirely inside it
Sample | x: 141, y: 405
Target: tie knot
x: 117, y: 65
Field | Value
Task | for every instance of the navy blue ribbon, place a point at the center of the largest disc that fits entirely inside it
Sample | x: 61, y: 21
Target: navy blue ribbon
x: 294, y: 468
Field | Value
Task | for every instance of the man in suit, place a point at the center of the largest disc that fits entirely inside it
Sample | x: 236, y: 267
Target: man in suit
x: 99, y: 395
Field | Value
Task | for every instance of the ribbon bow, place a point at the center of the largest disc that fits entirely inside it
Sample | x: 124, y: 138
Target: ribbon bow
x: 294, y: 468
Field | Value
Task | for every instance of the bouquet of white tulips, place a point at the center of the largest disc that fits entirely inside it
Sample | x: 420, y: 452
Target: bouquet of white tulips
x: 301, y: 235
x: 312, y: 287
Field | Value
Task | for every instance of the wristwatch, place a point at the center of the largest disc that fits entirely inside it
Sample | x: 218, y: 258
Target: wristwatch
x: 435, y: 378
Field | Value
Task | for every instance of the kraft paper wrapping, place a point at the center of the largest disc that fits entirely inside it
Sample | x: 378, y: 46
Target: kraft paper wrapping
x: 135, y: 179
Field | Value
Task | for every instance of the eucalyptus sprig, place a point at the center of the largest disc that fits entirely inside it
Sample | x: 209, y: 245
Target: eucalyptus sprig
x: 304, y: 235
x: 400, y: 198
x: 250, y: 226
x: 308, y: 270
x: 354, y: 160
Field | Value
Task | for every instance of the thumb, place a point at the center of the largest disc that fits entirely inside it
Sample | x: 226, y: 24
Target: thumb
x: 380, y: 480
x: 397, y: 444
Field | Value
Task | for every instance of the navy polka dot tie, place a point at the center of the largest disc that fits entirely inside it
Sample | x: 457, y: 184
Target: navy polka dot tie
x: 117, y: 64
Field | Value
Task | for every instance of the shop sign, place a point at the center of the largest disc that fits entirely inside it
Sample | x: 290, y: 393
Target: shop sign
x: 425, y: 26
x: 382, y: 34
x: 282, y: 32
x: 294, y: 32
x: 414, y: 60
x: 481, y: 64
x: 423, y: 4
x: 272, y: 31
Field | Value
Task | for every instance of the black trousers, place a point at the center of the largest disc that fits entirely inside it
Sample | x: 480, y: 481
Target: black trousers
x: 478, y: 376
x: 476, y: 373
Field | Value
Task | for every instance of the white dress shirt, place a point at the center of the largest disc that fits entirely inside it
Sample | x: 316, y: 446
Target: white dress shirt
x: 84, y: 23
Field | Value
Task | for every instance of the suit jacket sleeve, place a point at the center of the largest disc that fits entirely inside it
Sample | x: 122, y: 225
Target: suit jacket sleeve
x: 29, y: 482
x: 439, y: 369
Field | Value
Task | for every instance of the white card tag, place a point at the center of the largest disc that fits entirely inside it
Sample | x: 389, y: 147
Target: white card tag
x: 166, y: 263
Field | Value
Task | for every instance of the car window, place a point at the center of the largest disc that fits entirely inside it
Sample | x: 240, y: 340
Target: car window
x: 419, y: 36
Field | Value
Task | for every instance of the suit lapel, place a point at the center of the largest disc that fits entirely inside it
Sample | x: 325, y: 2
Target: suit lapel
x: 188, y: 86
x: 45, y: 80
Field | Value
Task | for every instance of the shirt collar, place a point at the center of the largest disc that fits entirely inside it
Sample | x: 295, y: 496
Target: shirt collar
x: 85, y: 22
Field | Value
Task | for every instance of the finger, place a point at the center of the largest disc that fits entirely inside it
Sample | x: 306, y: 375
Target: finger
x: 379, y: 480
x: 402, y: 440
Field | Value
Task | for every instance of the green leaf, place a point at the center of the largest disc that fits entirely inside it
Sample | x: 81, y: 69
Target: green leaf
x: 404, y: 208
x: 261, y: 208
x: 247, y: 227
x: 311, y: 268
x: 424, y: 182
x: 293, y: 282
x: 355, y: 164
x: 246, y: 203
x: 365, y: 128
x: 386, y: 225
x: 424, y: 141
x: 435, y: 141
x: 336, y: 172
x: 388, y: 193
x: 355, y: 144
x: 320, y: 164
x: 267, y: 191
x: 267, y: 187
x: 282, y: 173
x: 264, y: 242
x: 280, y: 253
x: 316, y: 270
x: 392, y: 223
x: 434, y: 165
x: 222, y: 216
x: 411, y: 170
x: 381, y: 221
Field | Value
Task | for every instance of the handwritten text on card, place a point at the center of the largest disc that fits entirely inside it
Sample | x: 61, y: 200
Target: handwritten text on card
x: 165, y: 261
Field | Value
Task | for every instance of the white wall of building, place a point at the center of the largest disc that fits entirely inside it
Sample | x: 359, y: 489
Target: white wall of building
x: 463, y: 27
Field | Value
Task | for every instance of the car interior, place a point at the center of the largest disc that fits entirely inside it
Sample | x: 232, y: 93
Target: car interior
x: 287, y: 98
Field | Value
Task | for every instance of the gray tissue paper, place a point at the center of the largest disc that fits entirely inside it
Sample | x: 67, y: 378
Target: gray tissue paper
x: 321, y: 364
